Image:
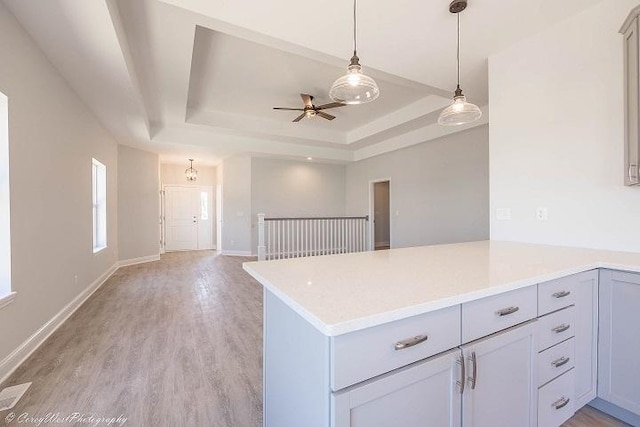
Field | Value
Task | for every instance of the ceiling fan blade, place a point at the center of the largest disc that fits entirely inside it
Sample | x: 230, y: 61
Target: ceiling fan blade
x: 306, y: 99
x: 330, y: 105
x: 300, y: 117
x: 288, y: 109
x: 325, y: 115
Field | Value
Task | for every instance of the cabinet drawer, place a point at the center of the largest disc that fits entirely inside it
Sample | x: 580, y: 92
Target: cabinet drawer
x: 555, y: 328
x: 555, y: 361
x: 556, y: 294
x: 488, y: 315
x: 365, y: 354
x: 556, y: 400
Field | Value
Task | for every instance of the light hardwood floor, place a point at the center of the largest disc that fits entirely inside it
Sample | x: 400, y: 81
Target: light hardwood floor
x: 174, y: 343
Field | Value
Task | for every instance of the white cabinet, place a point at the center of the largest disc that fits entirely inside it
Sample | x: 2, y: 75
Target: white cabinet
x: 499, y: 388
x: 632, y: 98
x: 424, y: 394
x: 619, y: 346
x: 501, y: 380
x: 586, y: 337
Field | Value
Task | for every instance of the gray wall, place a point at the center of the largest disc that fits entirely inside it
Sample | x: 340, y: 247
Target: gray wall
x: 439, y: 189
x: 138, y: 203
x: 236, y: 206
x: 52, y: 138
x: 286, y: 188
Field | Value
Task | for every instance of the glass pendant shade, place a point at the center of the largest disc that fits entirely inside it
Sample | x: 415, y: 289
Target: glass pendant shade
x: 460, y: 112
x: 191, y: 173
x: 354, y: 87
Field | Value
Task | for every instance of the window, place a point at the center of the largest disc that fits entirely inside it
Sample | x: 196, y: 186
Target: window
x: 99, y: 180
x: 204, y: 206
x: 5, y: 229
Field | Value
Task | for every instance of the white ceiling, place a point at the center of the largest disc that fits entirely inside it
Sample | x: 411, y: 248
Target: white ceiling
x: 200, y: 77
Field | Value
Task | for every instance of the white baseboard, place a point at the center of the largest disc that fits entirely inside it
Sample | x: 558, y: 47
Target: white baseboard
x: 236, y: 253
x: 139, y: 260
x: 10, y: 363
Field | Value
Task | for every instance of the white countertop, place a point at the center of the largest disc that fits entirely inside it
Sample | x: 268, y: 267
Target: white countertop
x: 345, y: 293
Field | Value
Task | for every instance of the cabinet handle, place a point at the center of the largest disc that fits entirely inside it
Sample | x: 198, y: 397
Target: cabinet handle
x: 401, y: 345
x: 507, y: 311
x: 561, y: 294
x: 474, y: 363
x: 633, y: 178
x: 463, y: 374
x: 561, y: 403
x: 561, y: 328
x: 560, y: 362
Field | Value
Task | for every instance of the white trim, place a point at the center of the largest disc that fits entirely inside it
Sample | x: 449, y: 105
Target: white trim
x: 139, y: 260
x: 10, y: 363
x: 7, y: 299
x: 238, y: 253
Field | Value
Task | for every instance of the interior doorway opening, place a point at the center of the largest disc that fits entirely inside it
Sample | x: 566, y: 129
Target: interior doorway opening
x: 380, y: 212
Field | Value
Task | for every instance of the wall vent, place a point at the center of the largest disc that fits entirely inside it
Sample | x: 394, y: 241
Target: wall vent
x: 10, y: 395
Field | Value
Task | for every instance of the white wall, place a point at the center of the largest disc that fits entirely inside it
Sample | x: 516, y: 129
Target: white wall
x: 52, y: 138
x: 138, y: 204
x: 236, y: 206
x: 286, y: 188
x: 557, y: 129
x: 439, y: 189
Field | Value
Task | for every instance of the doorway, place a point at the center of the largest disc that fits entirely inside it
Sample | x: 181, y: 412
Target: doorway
x: 380, y: 211
x: 188, y: 218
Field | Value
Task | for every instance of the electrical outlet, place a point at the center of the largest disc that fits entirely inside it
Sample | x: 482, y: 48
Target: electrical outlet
x: 541, y: 214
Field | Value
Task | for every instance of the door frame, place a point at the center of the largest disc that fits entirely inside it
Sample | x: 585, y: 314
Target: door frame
x: 372, y: 213
x: 163, y: 203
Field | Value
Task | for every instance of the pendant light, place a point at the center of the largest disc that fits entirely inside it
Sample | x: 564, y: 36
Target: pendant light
x: 354, y: 87
x: 191, y: 173
x: 460, y: 112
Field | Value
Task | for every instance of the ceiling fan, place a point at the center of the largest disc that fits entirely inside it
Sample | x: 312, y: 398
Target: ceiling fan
x: 311, y: 110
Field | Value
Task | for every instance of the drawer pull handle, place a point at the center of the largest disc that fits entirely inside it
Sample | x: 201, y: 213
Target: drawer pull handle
x: 561, y: 294
x: 560, y: 362
x: 561, y: 403
x: 507, y: 311
x: 560, y: 329
x: 401, y: 345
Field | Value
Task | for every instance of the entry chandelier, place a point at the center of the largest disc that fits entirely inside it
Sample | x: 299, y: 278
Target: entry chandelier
x: 354, y: 87
x: 460, y: 112
x: 191, y: 173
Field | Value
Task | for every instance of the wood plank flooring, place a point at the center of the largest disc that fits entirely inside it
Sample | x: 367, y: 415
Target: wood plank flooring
x: 173, y: 343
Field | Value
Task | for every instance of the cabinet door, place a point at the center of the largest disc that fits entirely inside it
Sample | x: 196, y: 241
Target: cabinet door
x: 501, y: 380
x: 422, y: 395
x: 586, y: 337
x: 619, y: 340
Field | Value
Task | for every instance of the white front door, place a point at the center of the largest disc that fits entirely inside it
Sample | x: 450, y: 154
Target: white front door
x: 188, y: 218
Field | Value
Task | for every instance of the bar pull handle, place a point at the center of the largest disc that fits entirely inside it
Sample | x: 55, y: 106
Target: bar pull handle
x: 507, y: 311
x: 561, y: 403
x: 474, y: 373
x: 560, y: 329
x: 401, y: 345
x: 561, y: 362
x: 561, y: 294
x: 463, y: 374
x: 633, y: 177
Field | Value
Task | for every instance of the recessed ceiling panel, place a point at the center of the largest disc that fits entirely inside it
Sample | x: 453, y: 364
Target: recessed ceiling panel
x: 237, y: 76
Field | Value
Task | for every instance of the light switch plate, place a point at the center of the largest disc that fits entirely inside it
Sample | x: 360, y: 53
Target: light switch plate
x: 503, y: 214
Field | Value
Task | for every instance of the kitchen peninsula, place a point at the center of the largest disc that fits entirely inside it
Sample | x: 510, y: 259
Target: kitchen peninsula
x: 466, y: 334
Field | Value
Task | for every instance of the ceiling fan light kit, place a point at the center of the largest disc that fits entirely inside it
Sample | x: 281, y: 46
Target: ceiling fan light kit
x: 355, y: 87
x: 460, y: 112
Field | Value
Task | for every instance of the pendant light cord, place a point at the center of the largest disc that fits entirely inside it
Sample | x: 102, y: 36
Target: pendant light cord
x: 355, y: 29
x: 458, y: 51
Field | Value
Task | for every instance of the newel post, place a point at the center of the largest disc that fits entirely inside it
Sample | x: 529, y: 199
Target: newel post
x: 262, y: 253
